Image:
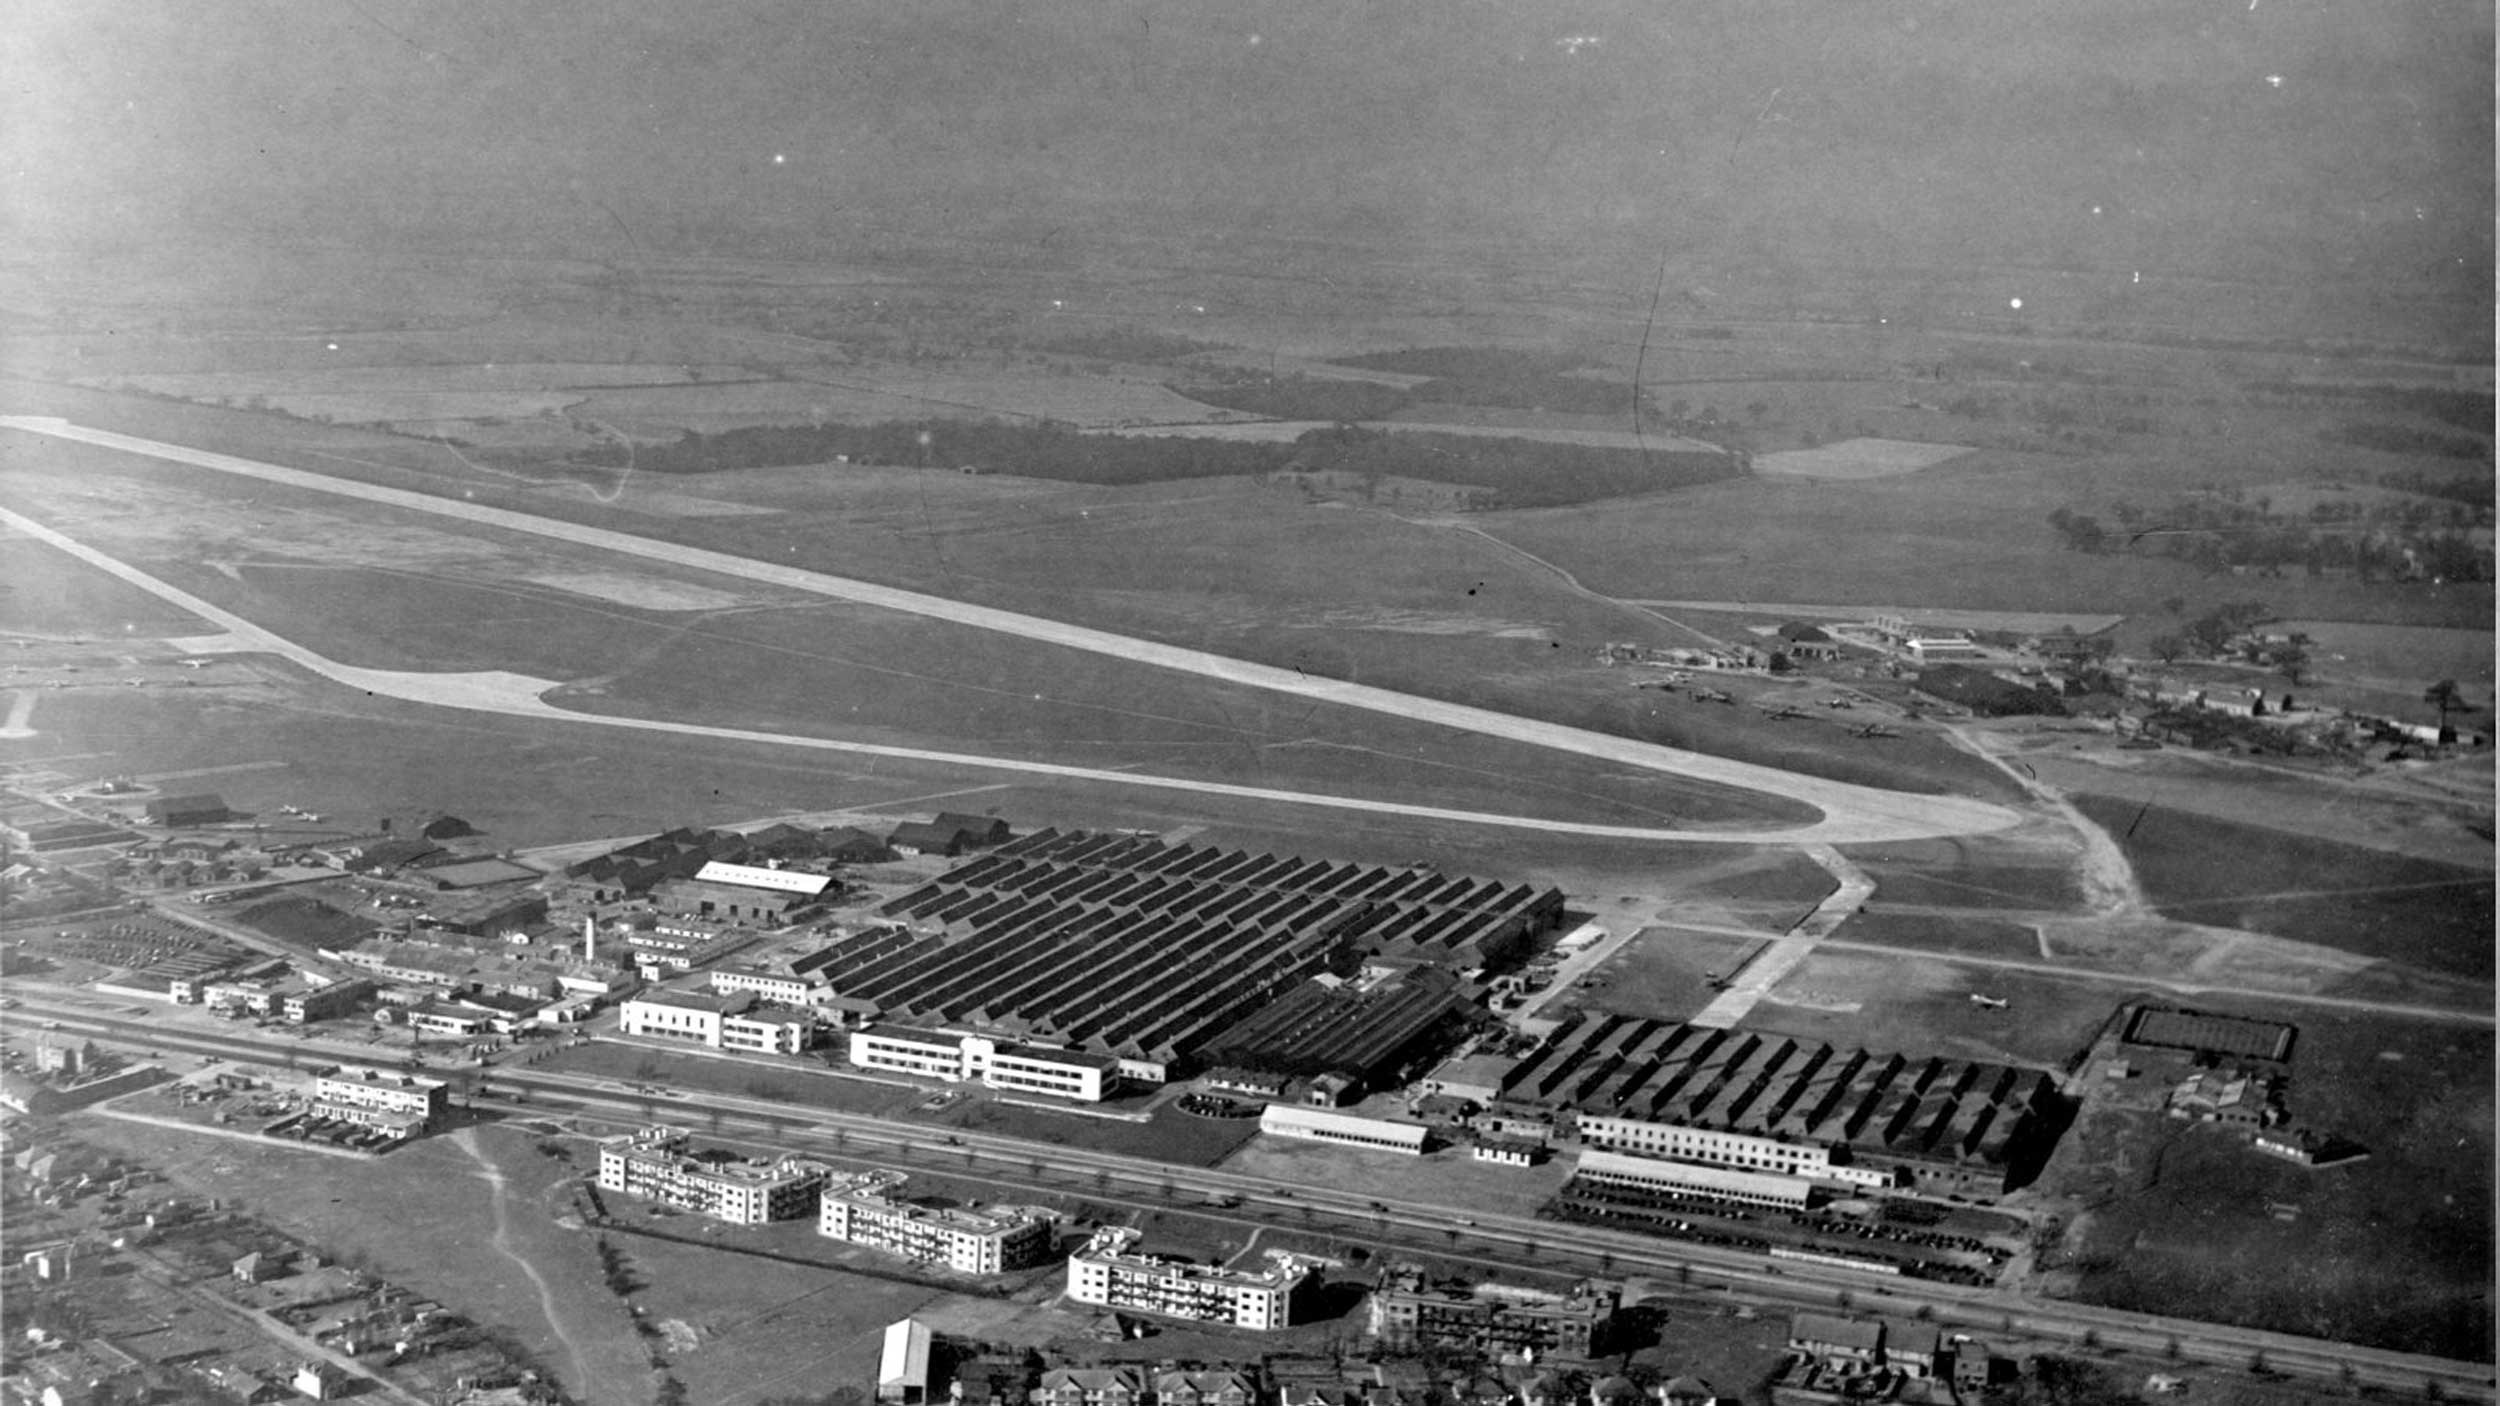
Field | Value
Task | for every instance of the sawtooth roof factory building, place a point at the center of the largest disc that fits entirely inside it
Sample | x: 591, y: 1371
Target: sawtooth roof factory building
x: 1667, y: 1092
x: 1128, y: 947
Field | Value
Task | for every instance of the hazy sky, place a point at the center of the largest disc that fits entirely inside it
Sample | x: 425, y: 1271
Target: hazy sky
x: 2283, y: 137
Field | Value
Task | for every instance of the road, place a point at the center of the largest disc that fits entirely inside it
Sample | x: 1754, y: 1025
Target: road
x: 1434, y: 1229
x: 1851, y: 814
x: 1771, y: 965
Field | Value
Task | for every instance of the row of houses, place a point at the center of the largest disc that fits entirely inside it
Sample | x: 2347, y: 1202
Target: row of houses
x: 907, y: 1377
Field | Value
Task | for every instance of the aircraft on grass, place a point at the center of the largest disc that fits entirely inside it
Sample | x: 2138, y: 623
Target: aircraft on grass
x: 1876, y: 730
x: 1712, y: 695
x: 1784, y: 712
x: 1987, y: 1003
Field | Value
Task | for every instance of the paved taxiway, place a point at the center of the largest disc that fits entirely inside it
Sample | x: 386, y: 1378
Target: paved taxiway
x: 1851, y: 814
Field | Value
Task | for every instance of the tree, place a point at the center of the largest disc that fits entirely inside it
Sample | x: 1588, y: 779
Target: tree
x: 2444, y: 695
x: 2167, y: 648
x: 2174, y: 605
x: 2292, y: 660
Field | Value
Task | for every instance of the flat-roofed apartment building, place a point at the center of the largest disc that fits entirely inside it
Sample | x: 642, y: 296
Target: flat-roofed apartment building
x: 660, y: 1164
x: 1409, y: 1312
x: 1110, y: 1271
x: 964, y: 1058
x: 377, y: 1098
x: 867, y: 1210
x: 735, y: 1021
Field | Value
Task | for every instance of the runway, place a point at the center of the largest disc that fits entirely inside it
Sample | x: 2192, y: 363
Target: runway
x: 1851, y: 814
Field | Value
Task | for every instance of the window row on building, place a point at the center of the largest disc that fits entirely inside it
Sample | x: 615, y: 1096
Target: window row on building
x: 660, y: 1164
x: 963, y: 1058
x: 1110, y: 1271
x: 868, y: 1210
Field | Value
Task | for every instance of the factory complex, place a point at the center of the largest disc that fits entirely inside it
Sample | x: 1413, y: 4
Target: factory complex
x: 1746, y: 1116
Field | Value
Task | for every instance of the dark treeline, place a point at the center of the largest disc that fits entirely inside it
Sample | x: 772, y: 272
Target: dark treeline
x: 1526, y: 473
x: 2410, y: 439
x: 2465, y: 410
x: 1489, y: 376
x: 1302, y: 398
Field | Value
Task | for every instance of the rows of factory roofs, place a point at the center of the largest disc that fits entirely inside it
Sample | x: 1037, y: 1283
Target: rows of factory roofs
x: 1123, y: 946
x: 1395, y: 911
x: 1922, y: 1114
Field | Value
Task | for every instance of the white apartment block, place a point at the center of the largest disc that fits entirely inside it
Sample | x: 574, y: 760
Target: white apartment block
x: 1111, y: 1272
x: 866, y: 1210
x: 377, y: 1098
x: 737, y: 1021
x: 931, y: 1054
x: 659, y: 1164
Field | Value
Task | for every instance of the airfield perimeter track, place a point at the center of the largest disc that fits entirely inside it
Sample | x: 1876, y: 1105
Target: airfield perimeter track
x: 1851, y: 814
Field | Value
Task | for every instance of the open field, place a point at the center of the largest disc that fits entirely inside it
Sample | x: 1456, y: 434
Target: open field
x: 736, y: 1328
x: 1664, y: 973
x: 2015, y: 621
x: 1919, y: 1005
x: 1850, y: 813
x: 1151, y: 555
x: 2394, y: 1250
x: 1857, y: 458
x: 1970, y: 534
x: 2368, y: 902
x: 493, y: 1251
x: 1449, y: 1177
x: 2401, y: 658
x: 1938, y: 933
x: 2436, y: 811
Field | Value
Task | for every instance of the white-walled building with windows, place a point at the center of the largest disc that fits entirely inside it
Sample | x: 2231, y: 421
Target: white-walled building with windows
x: 867, y: 1210
x: 1693, y: 1179
x: 965, y: 1058
x: 1111, y: 1272
x: 660, y: 1163
x: 1743, y: 1151
x: 377, y: 1098
x: 1345, y: 1129
x: 735, y: 1021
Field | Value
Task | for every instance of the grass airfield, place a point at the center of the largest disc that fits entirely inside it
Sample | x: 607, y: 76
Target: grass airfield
x: 1418, y: 605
